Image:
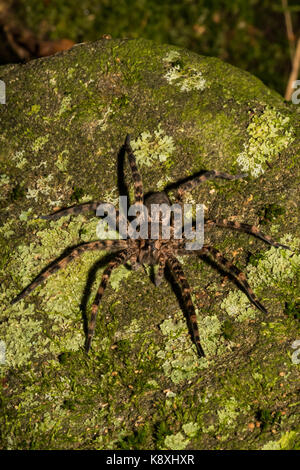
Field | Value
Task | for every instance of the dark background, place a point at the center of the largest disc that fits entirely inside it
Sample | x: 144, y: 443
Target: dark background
x: 250, y: 34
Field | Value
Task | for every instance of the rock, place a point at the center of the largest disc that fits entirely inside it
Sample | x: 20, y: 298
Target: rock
x: 62, y: 127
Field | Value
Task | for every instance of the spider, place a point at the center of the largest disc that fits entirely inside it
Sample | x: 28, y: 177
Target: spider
x: 161, y: 252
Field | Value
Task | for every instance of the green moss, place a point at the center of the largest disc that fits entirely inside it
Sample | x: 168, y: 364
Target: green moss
x: 143, y: 367
x: 35, y: 108
x: 272, y: 212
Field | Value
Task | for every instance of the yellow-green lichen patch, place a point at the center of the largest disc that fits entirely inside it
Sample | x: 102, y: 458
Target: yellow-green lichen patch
x: 276, y: 267
x: 61, y: 293
x: 35, y: 108
x: 22, y: 335
x: 185, y: 77
x: 19, y: 159
x: 176, y: 441
x: 180, y: 359
x: 118, y: 275
x: 269, y: 134
x: 6, y: 230
x: 151, y: 148
x: 4, y: 180
x: 39, y: 143
x: 238, y: 306
x: 43, y: 187
x: 228, y: 414
x: 4, y: 186
x: 103, y: 122
x: 62, y: 160
x: 288, y: 441
x: 191, y: 429
x: 65, y: 105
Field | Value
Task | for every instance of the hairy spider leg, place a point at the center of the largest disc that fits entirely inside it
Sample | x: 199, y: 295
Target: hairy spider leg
x: 82, y: 209
x: 158, y: 277
x: 212, y: 174
x: 72, y: 210
x: 113, y: 245
x: 135, y: 265
x: 235, y: 272
x: 182, y: 282
x: 120, y: 258
x: 137, y: 179
x: 251, y: 229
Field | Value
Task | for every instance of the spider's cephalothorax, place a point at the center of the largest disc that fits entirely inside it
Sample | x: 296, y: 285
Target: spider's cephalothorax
x: 158, y: 251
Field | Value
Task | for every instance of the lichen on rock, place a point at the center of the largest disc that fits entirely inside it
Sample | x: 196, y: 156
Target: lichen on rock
x: 143, y: 385
x: 269, y: 133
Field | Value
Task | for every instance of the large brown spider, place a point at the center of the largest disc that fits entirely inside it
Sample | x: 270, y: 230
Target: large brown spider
x: 159, y: 252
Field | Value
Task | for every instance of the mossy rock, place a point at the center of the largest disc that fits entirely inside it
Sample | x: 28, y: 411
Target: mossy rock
x: 143, y: 386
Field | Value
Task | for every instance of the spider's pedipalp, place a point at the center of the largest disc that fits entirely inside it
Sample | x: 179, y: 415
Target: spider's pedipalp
x: 242, y: 227
x: 114, y: 245
x: 137, y: 179
x: 182, y: 282
x: 121, y: 258
x: 212, y: 174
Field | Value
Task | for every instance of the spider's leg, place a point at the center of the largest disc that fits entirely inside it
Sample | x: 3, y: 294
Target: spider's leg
x: 190, y: 185
x: 72, y: 210
x: 81, y: 209
x: 121, y: 258
x: 134, y: 263
x: 137, y: 179
x: 251, y: 229
x: 114, y: 245
x: 158, y: 277
x: 235, y: 272
x: 182, y: 282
